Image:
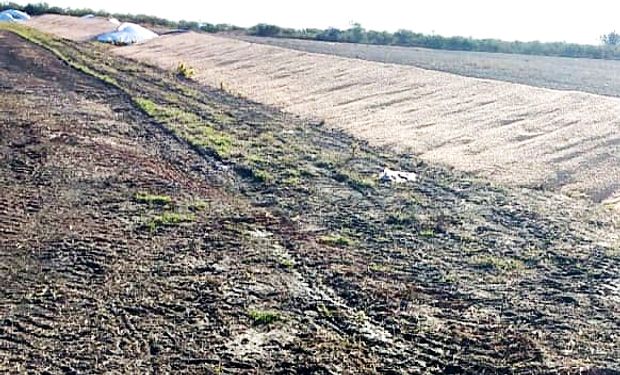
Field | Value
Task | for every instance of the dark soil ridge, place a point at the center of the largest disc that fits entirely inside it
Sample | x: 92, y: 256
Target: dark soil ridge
x: 292, y: 258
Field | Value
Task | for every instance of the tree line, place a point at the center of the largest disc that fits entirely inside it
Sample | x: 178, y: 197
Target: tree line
x: 610, y: 48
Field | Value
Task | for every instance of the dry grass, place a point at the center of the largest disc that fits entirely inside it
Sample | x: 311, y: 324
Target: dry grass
x: 511, y: 133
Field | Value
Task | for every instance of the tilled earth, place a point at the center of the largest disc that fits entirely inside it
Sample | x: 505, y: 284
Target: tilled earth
x: 151, y: 225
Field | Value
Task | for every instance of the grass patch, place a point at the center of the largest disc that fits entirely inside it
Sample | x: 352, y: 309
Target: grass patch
x: 502, y: 264
x: 153, y: 199
x: 428, y: 233
x: 355, y: 179
x: 286, y: 263
x: 262, y: 175
x: 211, y: 139
x: 376, y: 267
x: 401, y: 218
x: 337, y: 240
x: 169, y: 219
x: 185, y: 71
x: 188, y: 126
x: 223, y: 118
x: 324, y: 310
x: 198, y: 205
x: 261, y: 317
x: 292, y: 181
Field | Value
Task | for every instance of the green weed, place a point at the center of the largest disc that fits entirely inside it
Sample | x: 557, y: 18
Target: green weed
x: 337, y: 240
x: 260, y: 317
x: 152, y: 199
x: 355, y: 179
x: 185, y: 71
x: 169, y: 219
x: 429, y: 233
x: 263, y: 176
x: 502, y: 264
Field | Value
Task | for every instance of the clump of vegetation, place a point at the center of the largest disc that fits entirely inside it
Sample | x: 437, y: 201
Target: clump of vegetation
x: 262, y: 175
x: 188, y: 126
x: 198, y: 205
x: 153, y: 199
x: 401, y: 218
x: 502, y: 264
x: 377, y: 267
x: 286, y: 262
x: 169, y: 219
x: 185, y: 71
x: 429, y: 233
x: 212, y: 139
x: 324, y: 310
x: 337, y: 240
x: 355, y: 179
x: 292, y: 181
x: 261, y: 317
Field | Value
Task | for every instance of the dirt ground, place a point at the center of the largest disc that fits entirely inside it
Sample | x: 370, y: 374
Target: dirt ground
x: 150, y: 224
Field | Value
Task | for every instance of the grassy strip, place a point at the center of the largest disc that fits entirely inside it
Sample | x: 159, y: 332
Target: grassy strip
x: 47, y: 42
x: 152, y: 199
x: 188, y: 126
x: 169, y: 219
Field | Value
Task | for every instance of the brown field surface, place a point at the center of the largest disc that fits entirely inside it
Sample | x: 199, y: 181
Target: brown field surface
x: 515, y: 134
x: 596, y: 76
x: 151, y: 224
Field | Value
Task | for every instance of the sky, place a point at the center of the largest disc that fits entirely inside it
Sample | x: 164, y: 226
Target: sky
x: 575, y: 21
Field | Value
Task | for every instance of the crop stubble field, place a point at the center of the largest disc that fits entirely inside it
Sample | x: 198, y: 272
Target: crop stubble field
x: 152, y: 224
x: 588, y: 75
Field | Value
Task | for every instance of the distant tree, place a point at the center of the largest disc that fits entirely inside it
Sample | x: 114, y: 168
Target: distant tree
x: 611, y: 39
x: 404, y: 38
x: 356, y: 34
x: 376, y: 37
x: 263, y: 29
x: 330, y: 35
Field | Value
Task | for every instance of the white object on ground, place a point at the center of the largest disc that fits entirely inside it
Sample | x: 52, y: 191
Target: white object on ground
x: 88, y: 16
x: 12, y: 15
x: 389, y: 175
x: 114, y: 21
x: 6, y: 18
x: 127, y: 33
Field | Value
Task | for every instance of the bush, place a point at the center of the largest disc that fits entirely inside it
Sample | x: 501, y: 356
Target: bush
x: 185, y: 71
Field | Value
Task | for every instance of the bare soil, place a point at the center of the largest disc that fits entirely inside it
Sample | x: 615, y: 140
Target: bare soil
x: 287, y: 255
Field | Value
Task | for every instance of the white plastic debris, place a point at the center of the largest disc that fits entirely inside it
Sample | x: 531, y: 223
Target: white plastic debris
x: 88, y: 16
x: 12, y: 15
x: 114, y: 21
x: 127, y: 33
x: 6, y: 18
x: 398, y: 177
